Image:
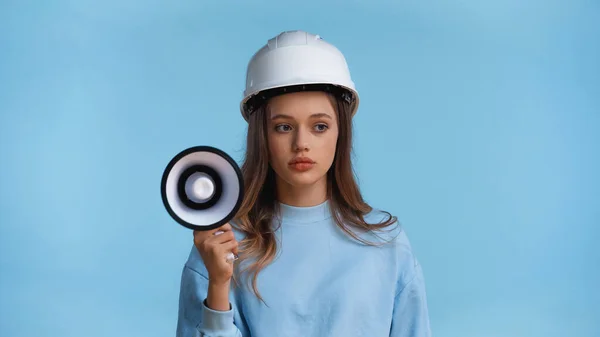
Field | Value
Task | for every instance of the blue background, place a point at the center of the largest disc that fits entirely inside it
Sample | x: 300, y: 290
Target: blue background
x: 479, y: 128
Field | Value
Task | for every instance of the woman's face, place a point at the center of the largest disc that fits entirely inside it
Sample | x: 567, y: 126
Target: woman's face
x: 304, y: 126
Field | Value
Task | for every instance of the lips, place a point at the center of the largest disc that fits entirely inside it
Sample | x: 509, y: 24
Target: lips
x: 301, y: 160
x: 301, y: 164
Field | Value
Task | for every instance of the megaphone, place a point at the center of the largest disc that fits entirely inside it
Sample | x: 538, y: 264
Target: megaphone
x: 202, y: 188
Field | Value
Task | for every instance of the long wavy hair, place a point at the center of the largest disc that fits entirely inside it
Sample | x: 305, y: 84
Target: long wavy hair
x: 259, y: 206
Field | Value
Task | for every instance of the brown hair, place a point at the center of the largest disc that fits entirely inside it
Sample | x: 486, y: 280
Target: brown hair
x: 254, y: 218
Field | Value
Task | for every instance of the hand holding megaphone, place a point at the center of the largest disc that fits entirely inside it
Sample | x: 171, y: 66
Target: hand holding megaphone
x: 212, y: 246
x: 202, y: 189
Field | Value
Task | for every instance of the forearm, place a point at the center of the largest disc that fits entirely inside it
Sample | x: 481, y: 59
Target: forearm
x: 218, y: 296
x: 196, y: 316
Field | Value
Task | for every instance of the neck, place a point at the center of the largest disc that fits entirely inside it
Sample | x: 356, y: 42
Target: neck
x: 302, y: 196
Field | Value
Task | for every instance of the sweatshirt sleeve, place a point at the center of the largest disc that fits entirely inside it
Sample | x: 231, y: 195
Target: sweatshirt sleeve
x: 410, y: 315
x: 195, y: 318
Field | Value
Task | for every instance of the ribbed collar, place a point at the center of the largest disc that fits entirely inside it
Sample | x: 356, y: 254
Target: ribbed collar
x: 306, y: 215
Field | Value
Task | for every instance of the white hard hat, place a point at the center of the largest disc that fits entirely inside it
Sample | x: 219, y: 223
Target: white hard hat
x: 296, y: 61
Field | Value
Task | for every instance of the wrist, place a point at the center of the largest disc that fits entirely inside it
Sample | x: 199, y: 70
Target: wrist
x: 218, y: 296
x: 218, y: 284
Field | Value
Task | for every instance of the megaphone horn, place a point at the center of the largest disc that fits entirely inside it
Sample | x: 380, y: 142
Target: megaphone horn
x: 202, y: 188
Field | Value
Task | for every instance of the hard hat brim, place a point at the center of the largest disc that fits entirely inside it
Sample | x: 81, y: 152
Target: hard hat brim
x: 254, y: 101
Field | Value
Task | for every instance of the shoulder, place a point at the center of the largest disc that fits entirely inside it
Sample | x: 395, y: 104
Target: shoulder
x: 395, y: 240
x: 390, y: 233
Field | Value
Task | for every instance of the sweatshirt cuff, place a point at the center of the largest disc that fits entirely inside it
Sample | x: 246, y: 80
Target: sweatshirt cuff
x: 215, y: 320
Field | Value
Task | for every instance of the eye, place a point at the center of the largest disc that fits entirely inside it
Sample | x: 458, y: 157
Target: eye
x: 282, y: 128
x: 321, y: 127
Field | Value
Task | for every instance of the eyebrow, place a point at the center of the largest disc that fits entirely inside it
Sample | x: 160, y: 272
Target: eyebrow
x: 317, y: 115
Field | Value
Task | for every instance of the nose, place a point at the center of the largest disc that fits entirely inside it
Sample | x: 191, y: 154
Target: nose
x: 301, y: 140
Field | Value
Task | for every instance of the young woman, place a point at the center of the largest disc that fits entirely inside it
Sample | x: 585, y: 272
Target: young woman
x: 314, y: 258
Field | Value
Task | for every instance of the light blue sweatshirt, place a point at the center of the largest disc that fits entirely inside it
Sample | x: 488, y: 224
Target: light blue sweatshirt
x: 322, y: 283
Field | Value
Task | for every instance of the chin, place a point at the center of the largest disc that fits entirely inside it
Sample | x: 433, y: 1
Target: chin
x: 298, y: 179
x: 301, y: 181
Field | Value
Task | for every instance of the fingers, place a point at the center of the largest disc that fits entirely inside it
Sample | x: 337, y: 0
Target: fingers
x: 222, y: 238
x: 200, y: 236
x: 230, y: 246
x: 231, y: 250
x: 225, y: 242
x: 225, y: 228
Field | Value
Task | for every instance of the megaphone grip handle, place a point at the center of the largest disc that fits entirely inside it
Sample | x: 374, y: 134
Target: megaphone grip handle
x: 230, y: 257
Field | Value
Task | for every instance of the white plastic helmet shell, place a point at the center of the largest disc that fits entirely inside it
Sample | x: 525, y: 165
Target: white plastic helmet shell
x: 296, y: 58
